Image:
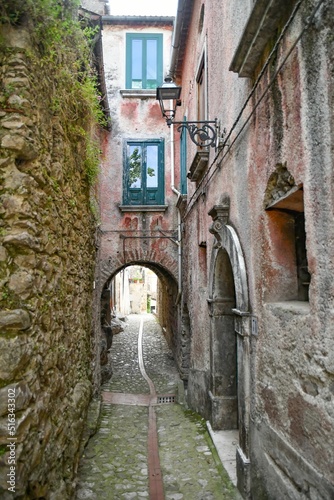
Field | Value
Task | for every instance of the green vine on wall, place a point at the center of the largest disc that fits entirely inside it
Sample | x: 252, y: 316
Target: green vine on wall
x: 63, y: 49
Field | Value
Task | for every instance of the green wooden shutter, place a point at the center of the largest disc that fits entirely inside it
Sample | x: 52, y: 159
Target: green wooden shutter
x: 143, y: 179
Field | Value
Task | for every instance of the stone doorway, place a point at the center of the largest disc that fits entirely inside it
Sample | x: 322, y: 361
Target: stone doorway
x: 230, y: 332
x: 224, y: 379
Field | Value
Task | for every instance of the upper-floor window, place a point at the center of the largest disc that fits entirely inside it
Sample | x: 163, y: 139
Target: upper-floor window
x: 201, y: 90
x: 143, y: 60
x: 144, y: 173
x: 287, y: 274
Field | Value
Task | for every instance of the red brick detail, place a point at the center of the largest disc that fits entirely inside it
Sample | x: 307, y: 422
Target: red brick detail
x: 154, y: 471
x: 161, y: 262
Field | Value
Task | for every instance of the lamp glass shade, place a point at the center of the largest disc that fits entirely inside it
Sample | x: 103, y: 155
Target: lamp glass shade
x: 168, y: 90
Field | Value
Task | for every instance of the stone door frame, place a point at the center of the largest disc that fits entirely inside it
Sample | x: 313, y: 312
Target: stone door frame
x: 227, y: 239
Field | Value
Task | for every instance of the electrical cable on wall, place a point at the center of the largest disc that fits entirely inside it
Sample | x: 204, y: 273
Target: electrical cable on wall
x: 309, y: 21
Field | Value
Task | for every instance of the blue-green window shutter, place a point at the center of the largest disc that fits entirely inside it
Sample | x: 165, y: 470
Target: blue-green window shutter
x: 144, y: 173
x: 183, y: 160
x: 144, y: 60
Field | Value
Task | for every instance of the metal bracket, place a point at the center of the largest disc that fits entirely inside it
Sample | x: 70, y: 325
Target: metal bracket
x: 202, y: 133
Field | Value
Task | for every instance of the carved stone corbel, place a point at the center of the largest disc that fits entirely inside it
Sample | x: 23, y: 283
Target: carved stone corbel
x: 220, y: 216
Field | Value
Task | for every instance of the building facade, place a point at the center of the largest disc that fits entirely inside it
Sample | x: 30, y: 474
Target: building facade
x: 139, y: 222
x: 240, y: 231
x: 257, y: 234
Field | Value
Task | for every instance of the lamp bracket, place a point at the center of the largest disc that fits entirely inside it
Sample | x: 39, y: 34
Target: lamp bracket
x: 202, y: 133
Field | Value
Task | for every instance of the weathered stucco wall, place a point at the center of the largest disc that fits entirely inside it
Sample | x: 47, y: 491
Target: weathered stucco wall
x: 287, y: 143
x: 137, y: 235
x: 47, y: 253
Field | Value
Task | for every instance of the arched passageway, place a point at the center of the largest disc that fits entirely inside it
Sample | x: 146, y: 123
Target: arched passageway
x: 134, y: 290
x: 131, y: 281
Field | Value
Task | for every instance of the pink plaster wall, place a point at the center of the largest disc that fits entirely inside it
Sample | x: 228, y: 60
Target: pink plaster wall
x: 291, y: 126
x: 133, y: 118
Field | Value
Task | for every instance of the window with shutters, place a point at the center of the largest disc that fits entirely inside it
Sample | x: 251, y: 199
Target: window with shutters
x: 144, y: 172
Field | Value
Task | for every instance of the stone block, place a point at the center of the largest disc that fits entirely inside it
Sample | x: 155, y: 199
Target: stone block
x: 17, y: 319
x: 117, y: 326
x: 224, y: 412
x: 278, y: 470
x: 23, y: 148
x: 23, y: 396
x: 15, y: 354
x: 22, y: 284
x: 3, y: 254
x: 243, y: 474
x: 22, y: 239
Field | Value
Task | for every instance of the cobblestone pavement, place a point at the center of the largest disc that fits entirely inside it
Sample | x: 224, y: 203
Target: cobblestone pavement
x: 114, y: 465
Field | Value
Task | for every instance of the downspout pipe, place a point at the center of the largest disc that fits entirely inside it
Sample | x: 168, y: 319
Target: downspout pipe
x: 182, y: 6
x: 179, y: 235
x: 176, y: 36
x: 183, y: 15
x: 172, y: 175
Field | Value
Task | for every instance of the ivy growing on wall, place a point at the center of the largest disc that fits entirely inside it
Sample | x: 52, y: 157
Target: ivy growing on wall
x: 63, y: 49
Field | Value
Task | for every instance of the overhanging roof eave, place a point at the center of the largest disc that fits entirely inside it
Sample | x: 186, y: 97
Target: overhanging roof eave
x: 151, y: 20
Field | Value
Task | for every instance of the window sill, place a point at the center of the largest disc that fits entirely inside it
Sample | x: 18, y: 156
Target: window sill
x: 298, y: 307
x: 139, y: 93
x: 143, y: 208
x: 198, y: 166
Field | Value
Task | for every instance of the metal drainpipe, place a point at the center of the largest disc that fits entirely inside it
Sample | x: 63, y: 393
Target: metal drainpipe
x: 176, y: 36
x: 175, y: 191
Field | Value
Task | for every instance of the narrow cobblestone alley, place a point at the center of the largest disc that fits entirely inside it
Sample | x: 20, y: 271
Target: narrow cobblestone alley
x: 116, y: 463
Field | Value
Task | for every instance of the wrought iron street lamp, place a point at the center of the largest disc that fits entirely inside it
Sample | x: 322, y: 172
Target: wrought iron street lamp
x: 202, y: 133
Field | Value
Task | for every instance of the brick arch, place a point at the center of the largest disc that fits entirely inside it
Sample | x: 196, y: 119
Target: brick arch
x: 166, y: 269
x: 163, y: 265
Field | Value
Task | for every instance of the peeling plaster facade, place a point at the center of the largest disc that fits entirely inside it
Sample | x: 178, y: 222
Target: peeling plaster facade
x: 247, y: 293
x: 137, y: 234
x: 258, y: 231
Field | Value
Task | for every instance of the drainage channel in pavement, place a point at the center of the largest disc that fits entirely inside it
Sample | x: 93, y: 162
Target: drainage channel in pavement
x: 156, y: 487
x: 145, y: 446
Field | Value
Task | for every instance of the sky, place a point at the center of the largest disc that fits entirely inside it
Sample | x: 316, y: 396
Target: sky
x: 143, y: 7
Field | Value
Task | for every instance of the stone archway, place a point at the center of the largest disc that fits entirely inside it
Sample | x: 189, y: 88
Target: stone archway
x: 167, y: 296
x: 166, y: 266
x: 168, y: 289
x: 230, y: 337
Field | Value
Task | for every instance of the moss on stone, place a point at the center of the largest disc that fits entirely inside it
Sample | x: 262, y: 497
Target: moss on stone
x: 47, y: 85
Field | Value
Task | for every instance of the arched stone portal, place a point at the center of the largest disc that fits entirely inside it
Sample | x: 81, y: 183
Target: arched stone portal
x: 230, y: 337
x: 167, y: 295
x: 168, y: 291
x: 223, y: 394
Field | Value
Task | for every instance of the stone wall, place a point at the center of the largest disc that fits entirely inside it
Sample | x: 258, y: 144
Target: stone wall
x: 47, y: 253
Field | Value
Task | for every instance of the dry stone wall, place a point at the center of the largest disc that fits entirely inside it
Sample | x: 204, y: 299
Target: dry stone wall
x: 46, y: 281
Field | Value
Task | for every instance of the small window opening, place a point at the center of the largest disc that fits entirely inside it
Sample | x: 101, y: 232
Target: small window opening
x: 303, y: 274
x: 201, y: 19
x: 288, y: 274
